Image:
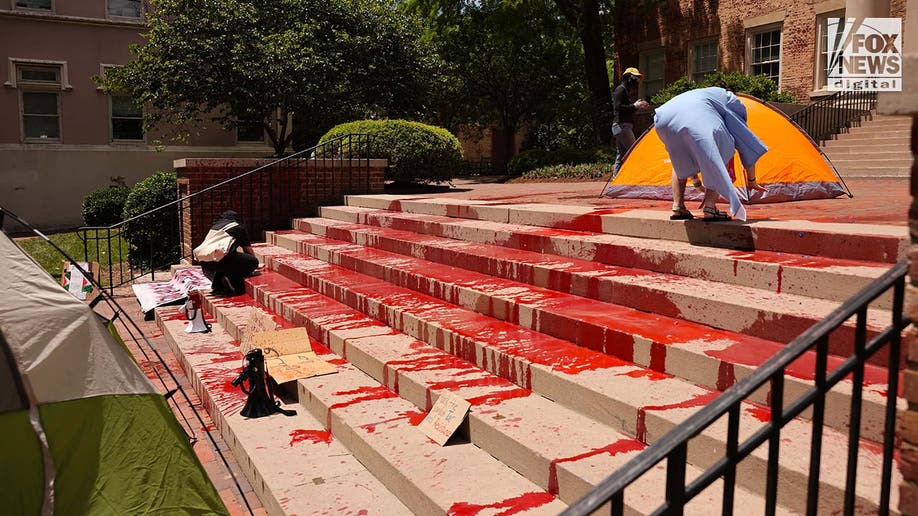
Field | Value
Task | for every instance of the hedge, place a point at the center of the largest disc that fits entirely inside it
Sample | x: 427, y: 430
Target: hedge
x: 758, y: 86
x: 157, y: 232
x: 416, y: 152
x: 105, y: 206
x: 538, y: 158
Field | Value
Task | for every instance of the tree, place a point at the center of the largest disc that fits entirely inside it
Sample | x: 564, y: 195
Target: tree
x: 237, y: 61
x: 506, y: 62
x: 585, y: 17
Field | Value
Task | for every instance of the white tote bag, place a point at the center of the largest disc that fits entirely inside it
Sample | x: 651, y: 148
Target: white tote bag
x: 216, y: 244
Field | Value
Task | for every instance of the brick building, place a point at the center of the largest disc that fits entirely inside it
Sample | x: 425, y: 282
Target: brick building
x: 61, y: 136
x: 691, y: 38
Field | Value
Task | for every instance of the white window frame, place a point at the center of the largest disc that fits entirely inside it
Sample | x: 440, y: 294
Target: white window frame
x: 819, y: 72
x: 692, y: 49
x: 111, y: 122
x: 110, y: 16
x: 111, y: 111
x: 750, y: 38
x: 24, y: 87
x: 642, y: 62
x: 33, y: 9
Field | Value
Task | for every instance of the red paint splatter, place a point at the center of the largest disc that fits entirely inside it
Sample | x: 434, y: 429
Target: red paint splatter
x: 313, y: 436
x: 521, y: 503
x: 645, y: 373
x: 698, y: 401
x: 414, y: 418
x: 759, y: 412
x: 780, y: 278
x: 620, y: 446
x: 364, y: 394
x: 498, y: 397
x: 726, y: 376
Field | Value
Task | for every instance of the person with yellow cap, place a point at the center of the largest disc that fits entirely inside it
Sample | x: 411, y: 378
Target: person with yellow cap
x: 623, y: 116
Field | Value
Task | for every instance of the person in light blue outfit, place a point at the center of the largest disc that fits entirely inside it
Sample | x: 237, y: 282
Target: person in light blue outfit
x: 700, y: 129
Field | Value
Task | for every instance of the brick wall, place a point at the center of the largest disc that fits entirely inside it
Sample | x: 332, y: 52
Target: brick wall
x: 267, y: 199
x: 676, y: 25
x: 908, y: 421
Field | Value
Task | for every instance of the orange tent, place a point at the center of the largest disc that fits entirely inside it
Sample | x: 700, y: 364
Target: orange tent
x: 794, y: 168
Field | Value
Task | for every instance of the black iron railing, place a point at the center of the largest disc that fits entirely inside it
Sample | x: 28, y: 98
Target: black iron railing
x: 266, y: 198
x: 834, y: 114
x: 673, y: 446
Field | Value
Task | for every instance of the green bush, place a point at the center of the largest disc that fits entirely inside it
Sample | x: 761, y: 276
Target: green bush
x: 758, y: 86
x: 583, y: 171
x: 154, y: 238
x: 105, y: 206
x: 416, y: 152
x: 538, y: 158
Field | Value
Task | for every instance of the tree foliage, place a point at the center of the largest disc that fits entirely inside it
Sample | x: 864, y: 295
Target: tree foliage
x: 322, y: 61
x: 758, y: 86
x: 505, y: 63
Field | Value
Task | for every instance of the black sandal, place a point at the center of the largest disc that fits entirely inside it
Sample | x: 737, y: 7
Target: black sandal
x: 715, y: 215
x: 681, y: 214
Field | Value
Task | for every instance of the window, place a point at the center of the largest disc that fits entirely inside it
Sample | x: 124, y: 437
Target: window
x: 127, y: 119
x: 247, y: 131
x: 703, y: 59
x: 41, y: 5
x: 125, y: 8
x: 765, y: 49
x: 39, y: 101
x: 823, y: 23
x: 652, y: 64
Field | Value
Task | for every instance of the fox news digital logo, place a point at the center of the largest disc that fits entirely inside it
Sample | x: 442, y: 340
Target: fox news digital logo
x: 864, y: 54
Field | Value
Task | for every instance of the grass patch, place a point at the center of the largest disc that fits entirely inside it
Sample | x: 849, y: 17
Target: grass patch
x: 582, y: 172
x: 52, y: 261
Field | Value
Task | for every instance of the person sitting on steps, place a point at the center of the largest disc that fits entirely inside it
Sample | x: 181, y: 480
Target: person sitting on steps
x: 228, y: 275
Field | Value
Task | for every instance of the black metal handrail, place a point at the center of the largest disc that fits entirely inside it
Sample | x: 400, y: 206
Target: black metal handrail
x: 266, y: 198
x: 831, y: 115
x: 674, y: 445
x: 113, y: 312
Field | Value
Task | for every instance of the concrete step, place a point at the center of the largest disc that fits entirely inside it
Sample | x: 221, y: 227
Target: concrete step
x: 578, y: 262
x: 560, y: 450
x: 698, y: 353
x: 878, y: 149
x: 861, y: 162
x: 379, y: 429
x: 875, y: 172
x: 902, y: 139
x: 622, y: 395
x: 869, y: 242
x: 871, y: 133
x: 293, y: 463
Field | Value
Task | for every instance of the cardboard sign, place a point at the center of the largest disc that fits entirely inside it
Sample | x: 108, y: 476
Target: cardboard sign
x: 445, y: 417
x: 76, y: 283
x: 151, y: 295
x: 301, y: 365
x: 259, y: 322
x: 282, y: 342
x: 289, y: 355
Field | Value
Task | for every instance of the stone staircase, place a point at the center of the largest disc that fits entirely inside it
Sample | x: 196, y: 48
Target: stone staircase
x: 578, y: 335
x: 877, y: 148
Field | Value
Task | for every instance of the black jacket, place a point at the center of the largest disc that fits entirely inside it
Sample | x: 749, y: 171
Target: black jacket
x: 624, y: 106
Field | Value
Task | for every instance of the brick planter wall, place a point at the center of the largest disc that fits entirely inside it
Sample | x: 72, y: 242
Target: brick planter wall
x: 270, y: 198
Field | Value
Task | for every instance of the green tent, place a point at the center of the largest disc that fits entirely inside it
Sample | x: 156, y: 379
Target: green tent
x: 82, y: 430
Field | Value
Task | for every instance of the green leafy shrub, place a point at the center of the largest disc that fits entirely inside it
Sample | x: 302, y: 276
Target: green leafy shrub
x: 583, y: 171
x: 538, y: 158
x: 105, y: 206
x: 153, y: 238
x: 417, y: 152
x: 758, y: 86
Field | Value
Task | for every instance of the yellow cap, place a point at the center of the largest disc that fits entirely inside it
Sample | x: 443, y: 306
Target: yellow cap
x: 633, y: 71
